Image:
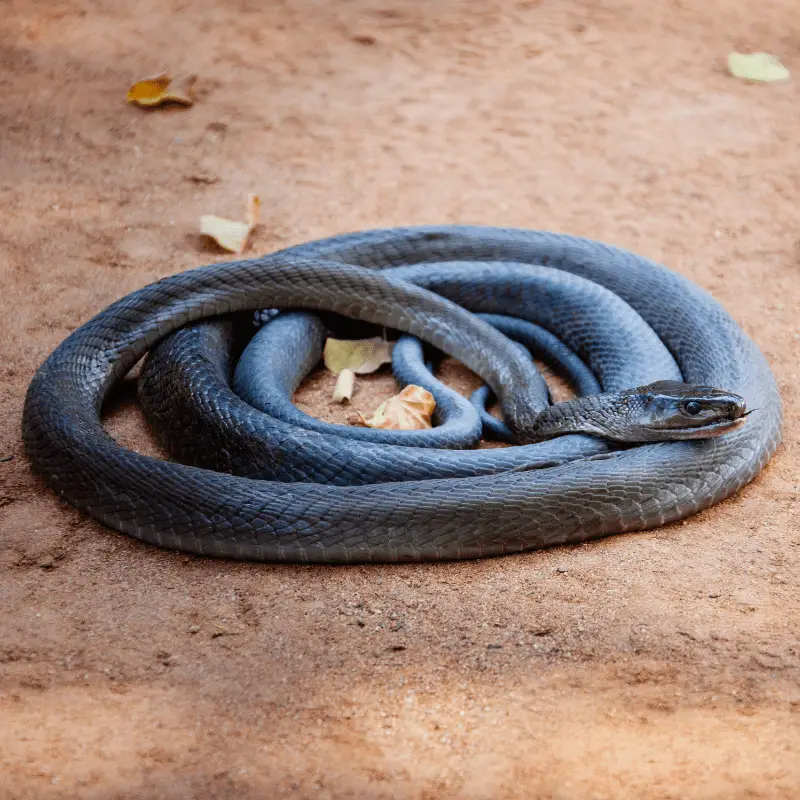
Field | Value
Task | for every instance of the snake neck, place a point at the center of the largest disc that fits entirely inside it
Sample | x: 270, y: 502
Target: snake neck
x: 596, y: 415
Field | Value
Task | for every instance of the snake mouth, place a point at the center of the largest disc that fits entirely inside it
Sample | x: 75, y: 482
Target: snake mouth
x: 713, y: 429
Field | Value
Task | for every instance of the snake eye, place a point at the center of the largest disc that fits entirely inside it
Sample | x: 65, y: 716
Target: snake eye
x: 693, y: 408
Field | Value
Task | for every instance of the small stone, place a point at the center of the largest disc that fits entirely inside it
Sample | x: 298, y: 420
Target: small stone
x: 194, y: 628
x: 562, y: 570
x: 714, y: 595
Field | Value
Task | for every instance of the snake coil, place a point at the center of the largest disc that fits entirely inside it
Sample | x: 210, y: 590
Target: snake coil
x: 631, y: 321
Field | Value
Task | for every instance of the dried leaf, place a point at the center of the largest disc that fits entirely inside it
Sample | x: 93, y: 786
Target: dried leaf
x: 227, y: 233
x: 757, y: 67
x: 359, y: 355
x: 162, y: 89
x: 345, y: 384
x: 180, y: 90
x: 230, y: 234
x: 411, y: 410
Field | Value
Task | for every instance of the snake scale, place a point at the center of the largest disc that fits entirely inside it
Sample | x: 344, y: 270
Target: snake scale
x: 314, y: 497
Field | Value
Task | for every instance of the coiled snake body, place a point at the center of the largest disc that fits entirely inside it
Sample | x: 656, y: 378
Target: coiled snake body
x: 311, y: 496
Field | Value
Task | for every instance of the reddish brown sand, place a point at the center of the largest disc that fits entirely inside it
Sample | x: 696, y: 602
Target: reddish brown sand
x: 657, y: 665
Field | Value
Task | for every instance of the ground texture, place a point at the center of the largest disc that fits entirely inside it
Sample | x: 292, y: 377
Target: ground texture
x: 658, y: 665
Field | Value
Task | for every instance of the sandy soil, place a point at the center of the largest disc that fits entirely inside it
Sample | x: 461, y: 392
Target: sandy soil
x: 659, y: 665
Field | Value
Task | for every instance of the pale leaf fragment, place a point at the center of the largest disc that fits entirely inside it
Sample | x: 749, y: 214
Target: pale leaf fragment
x: 230, y: 234
x: 227, y: 233
x: 757, y: 67
x: 411, y: 410
x: 162, y: 89
x: 345, y: 384
x: 362, y: 356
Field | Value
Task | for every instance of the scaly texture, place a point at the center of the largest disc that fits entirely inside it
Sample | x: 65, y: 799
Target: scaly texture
x: 211, y: 513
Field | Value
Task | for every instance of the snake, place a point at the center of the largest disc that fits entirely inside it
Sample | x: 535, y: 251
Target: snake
x: 687, y: 412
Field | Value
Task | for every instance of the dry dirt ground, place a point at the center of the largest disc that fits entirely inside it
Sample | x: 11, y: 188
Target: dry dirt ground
x: 658, y: 665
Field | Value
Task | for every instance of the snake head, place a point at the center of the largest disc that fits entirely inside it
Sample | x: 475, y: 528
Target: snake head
x: 670, y: 410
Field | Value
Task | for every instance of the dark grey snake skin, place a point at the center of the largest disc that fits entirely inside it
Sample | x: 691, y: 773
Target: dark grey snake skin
x: 505, y: 507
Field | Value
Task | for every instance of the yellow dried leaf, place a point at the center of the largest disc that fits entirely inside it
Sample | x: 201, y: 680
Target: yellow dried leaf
x: 757, y: 67
x: 360, y: 355
x: 162, y: 89
x: 411, y: 410
x: 230, y: 234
